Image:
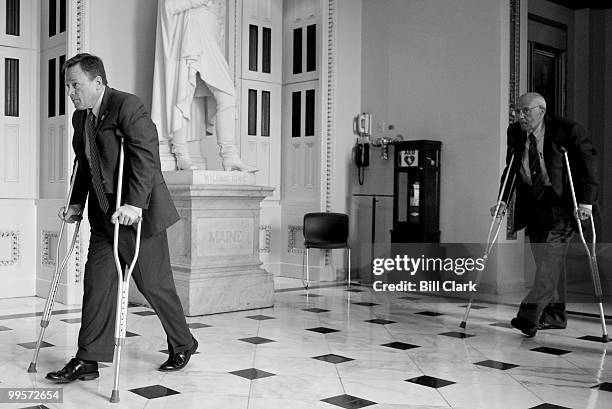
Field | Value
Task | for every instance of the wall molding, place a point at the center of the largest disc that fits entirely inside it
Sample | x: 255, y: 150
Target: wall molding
x: 267, y: 231
x: 328, y: 158
x: 330, y: 85
x: 15, y: 238
x: 293, y: 230
x: 79, y: 14
x: 513, y: 89
x: 46, y: 255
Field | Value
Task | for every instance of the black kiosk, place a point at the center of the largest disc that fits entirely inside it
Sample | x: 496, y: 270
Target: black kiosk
x: 416, y: 192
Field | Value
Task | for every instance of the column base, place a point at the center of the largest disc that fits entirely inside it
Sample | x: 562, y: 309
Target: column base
x: 214, y: 247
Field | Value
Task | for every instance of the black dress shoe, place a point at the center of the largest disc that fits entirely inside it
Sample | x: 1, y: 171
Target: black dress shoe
x: 524, y: 326
x: 75, y: 369
x: 548, y: 325
x: 178, y: 360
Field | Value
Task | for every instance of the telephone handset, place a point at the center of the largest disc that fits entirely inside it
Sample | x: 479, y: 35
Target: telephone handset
x: 364, y: 124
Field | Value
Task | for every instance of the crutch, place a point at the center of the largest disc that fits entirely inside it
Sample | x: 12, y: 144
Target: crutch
x: 591, y: 253
x: 123, y: 281
x: 59, y: 268
x: 494, y: 227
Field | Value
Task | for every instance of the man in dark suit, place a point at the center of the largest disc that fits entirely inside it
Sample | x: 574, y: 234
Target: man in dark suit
x: 544, y: 203
x: 102, y: 114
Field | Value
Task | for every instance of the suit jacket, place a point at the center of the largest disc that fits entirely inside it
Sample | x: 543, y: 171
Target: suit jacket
x: 143, y: 183
x: 559, y: 132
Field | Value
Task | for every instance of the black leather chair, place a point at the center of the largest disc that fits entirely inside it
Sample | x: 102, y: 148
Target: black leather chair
x: 326, y: 231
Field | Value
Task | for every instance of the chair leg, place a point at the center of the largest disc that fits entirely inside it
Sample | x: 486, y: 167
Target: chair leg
x: 307, y: 270
x: 348, y: 284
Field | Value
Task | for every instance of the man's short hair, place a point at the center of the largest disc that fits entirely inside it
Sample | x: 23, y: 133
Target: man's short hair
x: 90, y: 64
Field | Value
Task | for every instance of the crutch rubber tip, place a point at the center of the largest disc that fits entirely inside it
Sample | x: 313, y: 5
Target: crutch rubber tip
x: 32, y: 368
x: 462, y: 325
x: 114, y: 396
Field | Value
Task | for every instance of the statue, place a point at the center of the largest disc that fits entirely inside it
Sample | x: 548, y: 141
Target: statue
x: 189, y: 63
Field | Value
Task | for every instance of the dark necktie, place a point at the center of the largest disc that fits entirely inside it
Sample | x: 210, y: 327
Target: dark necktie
x: 94, y: 161
x: 537, y: 179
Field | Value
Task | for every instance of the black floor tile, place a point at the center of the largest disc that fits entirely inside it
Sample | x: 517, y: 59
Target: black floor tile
x: 456, y: 334
x: 154, y: 391
x: 430, y: 381
x: 145, y: 313
x: 323, y: 330
x: 260, y: 317
x: 496, y: 364
x: 165, y: 351
x: 317, y: 310
x: 400, y: 345
x: 32, y: 345
x: 380, y: 321
x: 552, y: 351
x: 3, y: 328
x: 429, y: 313
x: 256, y: 340
x: 365, y: 304
x: 353, y: 290
x: 348, y: 402
x: 333, y: 358
x: 502, y: 324
x: 36, y: 407
x: 252, y: 373
x: 129, y: 334
x: 72, y: 320
x: 196, y: 325
x: 474, y: 307
x: 549, y: 406
x: 605, y: 386
x: 311, y: 295
x: 594, y: 339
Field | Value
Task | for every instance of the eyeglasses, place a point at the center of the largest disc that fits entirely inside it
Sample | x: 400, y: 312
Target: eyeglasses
x: 525, y: 111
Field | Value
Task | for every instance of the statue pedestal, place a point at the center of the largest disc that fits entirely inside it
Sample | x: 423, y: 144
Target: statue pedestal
x: 214, y: 247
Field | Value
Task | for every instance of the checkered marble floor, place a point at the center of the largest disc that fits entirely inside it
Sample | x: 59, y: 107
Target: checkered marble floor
x: 325, y: 348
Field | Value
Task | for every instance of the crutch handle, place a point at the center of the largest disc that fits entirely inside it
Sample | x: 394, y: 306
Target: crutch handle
x: 571, y: 180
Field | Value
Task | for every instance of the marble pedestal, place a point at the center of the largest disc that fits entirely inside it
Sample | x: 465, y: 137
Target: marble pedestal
x: 214, y: 247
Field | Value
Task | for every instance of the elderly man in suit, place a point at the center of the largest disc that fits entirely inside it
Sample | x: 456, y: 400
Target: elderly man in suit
x: 102, y: 113
x: 544, y: 203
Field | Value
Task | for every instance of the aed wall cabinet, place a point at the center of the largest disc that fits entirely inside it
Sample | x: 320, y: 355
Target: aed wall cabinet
x: 416, y: 192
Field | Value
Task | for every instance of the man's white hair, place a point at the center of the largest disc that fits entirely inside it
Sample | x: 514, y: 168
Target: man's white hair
x: 530, y: 97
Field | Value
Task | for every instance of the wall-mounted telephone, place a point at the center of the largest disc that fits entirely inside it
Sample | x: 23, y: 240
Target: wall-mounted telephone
x: 361, y: 150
